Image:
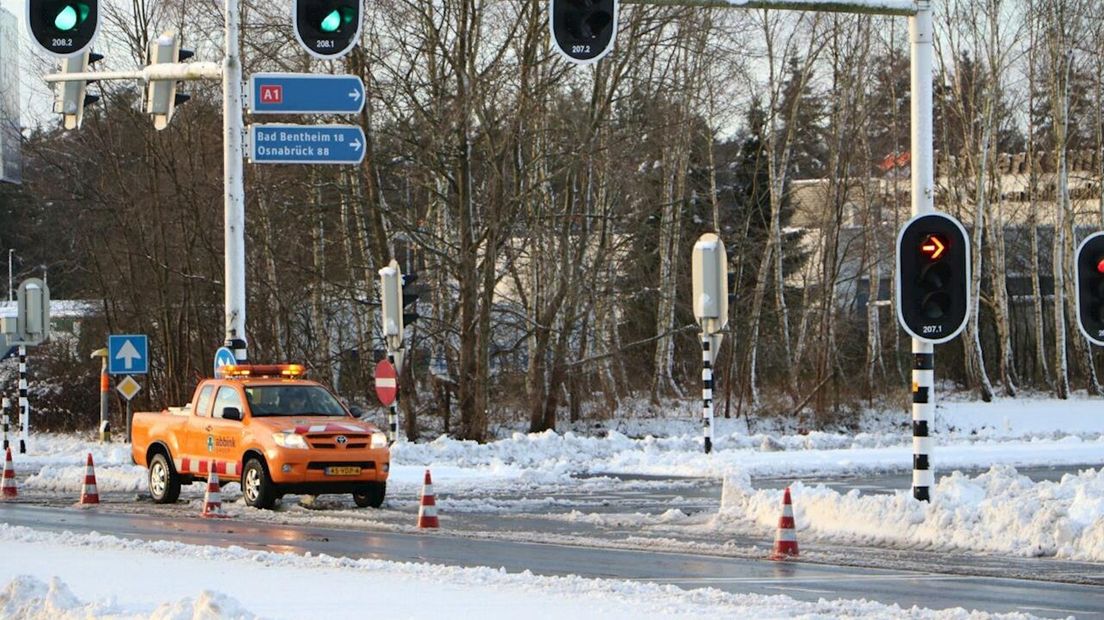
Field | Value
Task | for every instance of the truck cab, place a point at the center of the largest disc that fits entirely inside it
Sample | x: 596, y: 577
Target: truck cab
x: 269, y: 428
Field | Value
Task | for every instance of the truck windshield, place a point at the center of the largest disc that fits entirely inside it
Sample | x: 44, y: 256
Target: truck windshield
x: 292, y: 400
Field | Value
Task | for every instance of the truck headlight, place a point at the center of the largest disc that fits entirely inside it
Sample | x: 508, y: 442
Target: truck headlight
x: 290, y: 440
x: 379, y: 440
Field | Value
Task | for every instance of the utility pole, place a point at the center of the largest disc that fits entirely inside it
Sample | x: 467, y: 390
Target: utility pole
x: 923, y: 202
x: 233, y: 129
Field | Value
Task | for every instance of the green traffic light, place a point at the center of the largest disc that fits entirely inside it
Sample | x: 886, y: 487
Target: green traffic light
x: 66, y: 20
x: 332, y: 22
x: 71, y: 16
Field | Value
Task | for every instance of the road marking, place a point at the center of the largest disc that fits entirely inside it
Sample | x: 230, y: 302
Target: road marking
x: 1064, y: 611
x: 793, y: 589
x: 815, y: 579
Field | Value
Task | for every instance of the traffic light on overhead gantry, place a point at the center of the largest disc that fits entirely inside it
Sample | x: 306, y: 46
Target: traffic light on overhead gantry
x: 1090, y: 288
x: 162, y: 96
x: 327, y: 29
x: 71, y: 97
x: 583, y: 30
x: 933, y: 277
x: 63, y: 27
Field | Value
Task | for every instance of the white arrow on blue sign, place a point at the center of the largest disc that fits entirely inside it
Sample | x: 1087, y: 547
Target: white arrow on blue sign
x: 223, y: 357
x: 306, y: 144
x: 305, y: 93
x: 127, y: 355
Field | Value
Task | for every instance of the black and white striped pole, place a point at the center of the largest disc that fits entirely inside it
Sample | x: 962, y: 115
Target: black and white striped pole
x: 4, y: 413
x: 393, y: 408
x: 24, y: 403
x: 707, y: 390
x: 710, y: 276
x: 923, y: 418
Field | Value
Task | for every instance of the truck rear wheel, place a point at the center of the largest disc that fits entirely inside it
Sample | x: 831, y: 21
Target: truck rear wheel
x: 258, y: 490
x: 371, y: 494
x: 164, y: 483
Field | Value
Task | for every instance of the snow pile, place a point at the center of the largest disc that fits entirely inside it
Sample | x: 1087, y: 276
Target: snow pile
x: 998, y: 511
x: 28, y: 598
x: 324, y: 586
x: 70, y: 479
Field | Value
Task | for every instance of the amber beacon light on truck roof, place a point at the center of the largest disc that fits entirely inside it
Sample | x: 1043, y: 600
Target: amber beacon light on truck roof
x: 250, y: 371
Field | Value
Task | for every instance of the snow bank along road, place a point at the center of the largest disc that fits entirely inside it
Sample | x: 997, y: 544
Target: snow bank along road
x: 809, y: 582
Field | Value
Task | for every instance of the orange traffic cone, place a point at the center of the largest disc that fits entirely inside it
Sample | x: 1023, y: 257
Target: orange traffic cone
x: 8, y: 489
x: 785, y: 541
x: 89, y: 493
x: 427, y: 510
x: 212, y: 499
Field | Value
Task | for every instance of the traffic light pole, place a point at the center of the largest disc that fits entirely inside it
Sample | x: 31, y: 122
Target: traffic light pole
x: 230, y: 72
x: 923, y: 202
x: 233, y: 125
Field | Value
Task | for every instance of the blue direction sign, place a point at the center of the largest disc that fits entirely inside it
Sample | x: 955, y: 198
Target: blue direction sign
x: 223, y: 357
x: 305, y: 93
x: 306, y: 144
x: 127, y: 355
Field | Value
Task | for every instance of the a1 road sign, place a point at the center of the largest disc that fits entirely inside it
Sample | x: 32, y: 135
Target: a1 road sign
x: 306, y: 144
x: 387, y: 383
x: 305, y: 93
x: 127, y: 355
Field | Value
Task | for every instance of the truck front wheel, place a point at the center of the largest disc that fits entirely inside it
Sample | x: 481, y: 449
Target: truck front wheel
x: 164, y: 484
x: 257, y: 487
x: 370, y: 494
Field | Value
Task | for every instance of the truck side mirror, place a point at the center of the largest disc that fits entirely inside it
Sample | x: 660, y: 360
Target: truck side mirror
x: 231, y: 413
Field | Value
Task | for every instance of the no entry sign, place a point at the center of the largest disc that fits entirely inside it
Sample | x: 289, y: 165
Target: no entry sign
x: 387, y: 383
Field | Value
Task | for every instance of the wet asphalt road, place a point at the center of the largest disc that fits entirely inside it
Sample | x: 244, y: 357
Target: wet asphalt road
x: 800, y: 580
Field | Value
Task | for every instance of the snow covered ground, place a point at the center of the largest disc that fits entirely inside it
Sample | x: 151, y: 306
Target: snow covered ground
x: 62, y: 577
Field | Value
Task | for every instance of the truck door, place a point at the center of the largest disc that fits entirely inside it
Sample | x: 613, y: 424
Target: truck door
x: 195, y: 437
x: 224, y: 437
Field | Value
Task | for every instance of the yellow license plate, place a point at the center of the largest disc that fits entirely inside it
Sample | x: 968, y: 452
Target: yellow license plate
x: 342, y: 471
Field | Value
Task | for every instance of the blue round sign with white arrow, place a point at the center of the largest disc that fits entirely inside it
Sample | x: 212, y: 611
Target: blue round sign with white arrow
x: 223, y: 357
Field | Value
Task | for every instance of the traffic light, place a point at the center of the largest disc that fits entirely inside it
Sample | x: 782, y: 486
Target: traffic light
x: 161, y: 95
x: 71, y: 97
x: 1090, y: 288
x: 410, y: 293
x: 583, y: 30
x: 933, y: 277
x: 63, y: 27
x: 391, y: 305
x: 327, y: 29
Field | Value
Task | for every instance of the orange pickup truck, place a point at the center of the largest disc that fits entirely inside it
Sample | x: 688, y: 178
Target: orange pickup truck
x: 268, y: 428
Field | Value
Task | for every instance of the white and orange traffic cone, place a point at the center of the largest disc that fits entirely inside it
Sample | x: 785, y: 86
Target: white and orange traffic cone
x: 89, y: 493
x: 8, y: 489
x: 785, y: 541
x: 427, y: 509
x: 212, y: 499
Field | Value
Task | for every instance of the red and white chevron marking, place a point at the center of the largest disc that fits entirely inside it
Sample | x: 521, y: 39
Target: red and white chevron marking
x: 201, y: 467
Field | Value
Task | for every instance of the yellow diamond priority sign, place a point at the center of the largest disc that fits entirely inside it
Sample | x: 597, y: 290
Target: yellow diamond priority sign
x: 129, y: 388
